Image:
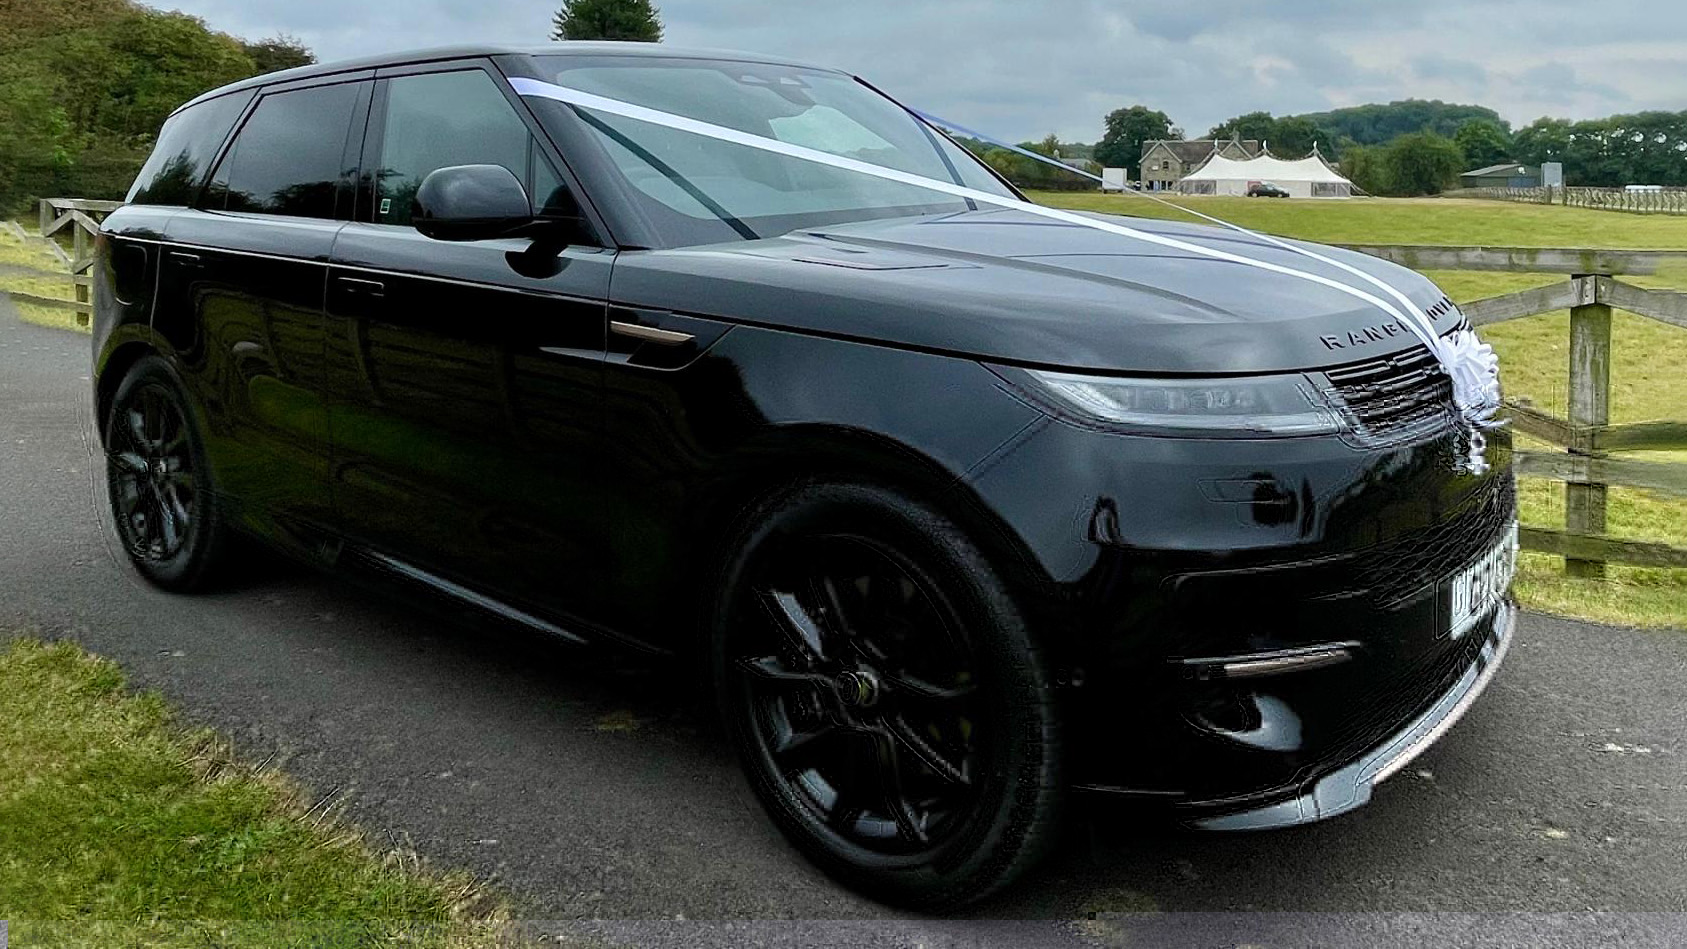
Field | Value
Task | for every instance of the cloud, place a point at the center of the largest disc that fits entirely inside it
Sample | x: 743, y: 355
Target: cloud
x: 1022, y: 70
x: 1432, y: 66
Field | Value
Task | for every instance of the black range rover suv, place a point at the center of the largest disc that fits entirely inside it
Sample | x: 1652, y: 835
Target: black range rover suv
x: 963, y: 512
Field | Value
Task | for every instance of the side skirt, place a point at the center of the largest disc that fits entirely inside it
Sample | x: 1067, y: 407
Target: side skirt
x: 457, y: 591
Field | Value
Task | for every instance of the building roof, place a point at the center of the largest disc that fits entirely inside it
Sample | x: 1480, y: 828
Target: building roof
x: 1504, y: 168
x: 1191, y: 151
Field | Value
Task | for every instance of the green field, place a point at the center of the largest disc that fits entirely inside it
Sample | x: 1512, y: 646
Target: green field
x: 1649, y: 359
x: 1406, y: 220
x: 120, y: 827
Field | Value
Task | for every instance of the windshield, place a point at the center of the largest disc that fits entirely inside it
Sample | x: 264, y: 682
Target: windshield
x: 696, y: 189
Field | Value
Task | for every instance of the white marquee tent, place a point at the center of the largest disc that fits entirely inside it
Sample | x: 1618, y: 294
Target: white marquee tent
x: 1308, y: 177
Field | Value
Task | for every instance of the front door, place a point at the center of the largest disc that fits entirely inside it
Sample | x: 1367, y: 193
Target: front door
x: 464, y: 377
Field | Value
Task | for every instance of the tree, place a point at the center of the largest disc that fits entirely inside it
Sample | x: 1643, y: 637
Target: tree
x: 85, y: 85
x: 1294, y: 136
x: 607, y: 20
x: 1049, y: 147
x: 1422, y: 163
x: 1378, y: 124
x: 1259, y: 126
x: 1291, y: 136
x: 1483, y: 142
x: 1363, y: 165
x: 1127, y: 129
x: 278, y: 52
x: 1542, y: 140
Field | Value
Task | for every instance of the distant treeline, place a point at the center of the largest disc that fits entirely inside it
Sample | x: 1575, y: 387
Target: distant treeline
x: 1037, y: 175
x: 85, y: 84
x: 1417, y: 146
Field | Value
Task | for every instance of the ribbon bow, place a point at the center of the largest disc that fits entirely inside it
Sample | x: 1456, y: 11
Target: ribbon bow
x: 1475, y: 372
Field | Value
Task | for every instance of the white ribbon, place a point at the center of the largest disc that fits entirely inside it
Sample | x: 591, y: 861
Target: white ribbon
x: 1469, y: 363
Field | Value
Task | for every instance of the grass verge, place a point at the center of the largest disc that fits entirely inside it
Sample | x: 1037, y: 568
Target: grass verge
x: 42, y: 278
x: 119, y: 827
x: 1648, y: 380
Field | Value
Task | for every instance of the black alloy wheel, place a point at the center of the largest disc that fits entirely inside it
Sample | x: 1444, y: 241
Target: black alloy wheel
x: 887, y: 703
x: 161, y: 500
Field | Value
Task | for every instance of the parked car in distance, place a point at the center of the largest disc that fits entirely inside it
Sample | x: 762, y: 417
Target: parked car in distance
x: 962, y: 513
x: 1265, y: 189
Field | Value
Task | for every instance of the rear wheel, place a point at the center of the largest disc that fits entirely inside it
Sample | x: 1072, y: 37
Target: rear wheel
x: 892, y: 712
x: 167, y: 516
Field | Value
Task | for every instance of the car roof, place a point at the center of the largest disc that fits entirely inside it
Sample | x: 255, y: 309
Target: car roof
x: 436, y: 54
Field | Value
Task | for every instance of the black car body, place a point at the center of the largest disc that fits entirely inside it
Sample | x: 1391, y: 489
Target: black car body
x: 567, y: 424
x: 1266, y: 189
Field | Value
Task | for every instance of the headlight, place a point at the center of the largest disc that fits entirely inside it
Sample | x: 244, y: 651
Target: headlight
x: 1243, y: 407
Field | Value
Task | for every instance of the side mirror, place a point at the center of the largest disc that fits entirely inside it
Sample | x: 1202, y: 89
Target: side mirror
x: 471, y: 203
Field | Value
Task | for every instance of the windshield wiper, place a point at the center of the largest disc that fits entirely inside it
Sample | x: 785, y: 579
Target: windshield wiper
x: 643, y: 154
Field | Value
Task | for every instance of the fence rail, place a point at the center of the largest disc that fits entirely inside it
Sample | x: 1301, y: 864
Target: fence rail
x: 1666, y: 201
x: 1587, y: 435
x: 81, y: 218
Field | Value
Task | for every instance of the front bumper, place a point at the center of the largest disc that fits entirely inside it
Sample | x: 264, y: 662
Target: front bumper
x: 1350, y: 787
x: 1168, y: 557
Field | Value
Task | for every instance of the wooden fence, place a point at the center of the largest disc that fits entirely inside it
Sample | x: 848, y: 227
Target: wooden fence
x: 81, y: 218
x: 1588, y: 437
x: 1667, y: 201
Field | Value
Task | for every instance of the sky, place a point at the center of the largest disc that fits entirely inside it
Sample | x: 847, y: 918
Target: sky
x: 1020, y: 69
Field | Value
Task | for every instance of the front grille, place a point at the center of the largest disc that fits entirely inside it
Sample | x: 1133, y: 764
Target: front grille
x: 1394, y: 396
x: 1397, y: 570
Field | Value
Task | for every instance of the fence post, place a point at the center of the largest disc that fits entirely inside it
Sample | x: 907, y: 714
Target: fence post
x: 79, y: 280
x: 1590, y: 404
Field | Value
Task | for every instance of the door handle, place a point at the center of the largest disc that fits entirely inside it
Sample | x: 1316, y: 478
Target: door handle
x: 367, y: 288
x: 650, y: 334
x: 186, y: 259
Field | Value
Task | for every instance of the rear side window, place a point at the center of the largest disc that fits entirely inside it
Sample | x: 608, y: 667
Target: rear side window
x: 438, y: 120
x: 186, y: 147
x: 286, y: 159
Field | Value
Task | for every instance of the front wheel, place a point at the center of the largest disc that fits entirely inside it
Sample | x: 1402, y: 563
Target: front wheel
x: 168, y: 518
x: 893, y: 713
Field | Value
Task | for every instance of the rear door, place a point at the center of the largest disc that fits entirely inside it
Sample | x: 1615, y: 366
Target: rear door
x: 464, y: 377
x: 241, y: 284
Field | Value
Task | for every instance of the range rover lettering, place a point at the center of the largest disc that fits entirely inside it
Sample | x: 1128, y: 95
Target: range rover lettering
x: 965, y: 513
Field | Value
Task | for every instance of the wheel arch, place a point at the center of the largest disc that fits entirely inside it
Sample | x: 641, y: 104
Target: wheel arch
x: 119, y: 359
x: 806, y: 454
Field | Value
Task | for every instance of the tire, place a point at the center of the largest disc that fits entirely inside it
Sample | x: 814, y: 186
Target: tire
x: 168, y: 516
x: 893, y: 713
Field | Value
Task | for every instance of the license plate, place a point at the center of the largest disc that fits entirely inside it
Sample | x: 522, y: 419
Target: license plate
x: 1480, y: 586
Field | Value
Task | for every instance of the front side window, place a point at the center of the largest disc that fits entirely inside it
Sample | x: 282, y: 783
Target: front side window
x: 438, y: 120
x: 697, y: 189
x: 286, y: 158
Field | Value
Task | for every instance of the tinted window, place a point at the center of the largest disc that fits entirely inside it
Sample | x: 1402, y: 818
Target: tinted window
x: 443, y: 119
x: 186, y: 147
x: 286, y: 158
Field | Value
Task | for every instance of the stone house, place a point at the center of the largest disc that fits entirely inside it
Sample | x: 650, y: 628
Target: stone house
x: 1164, y: 162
